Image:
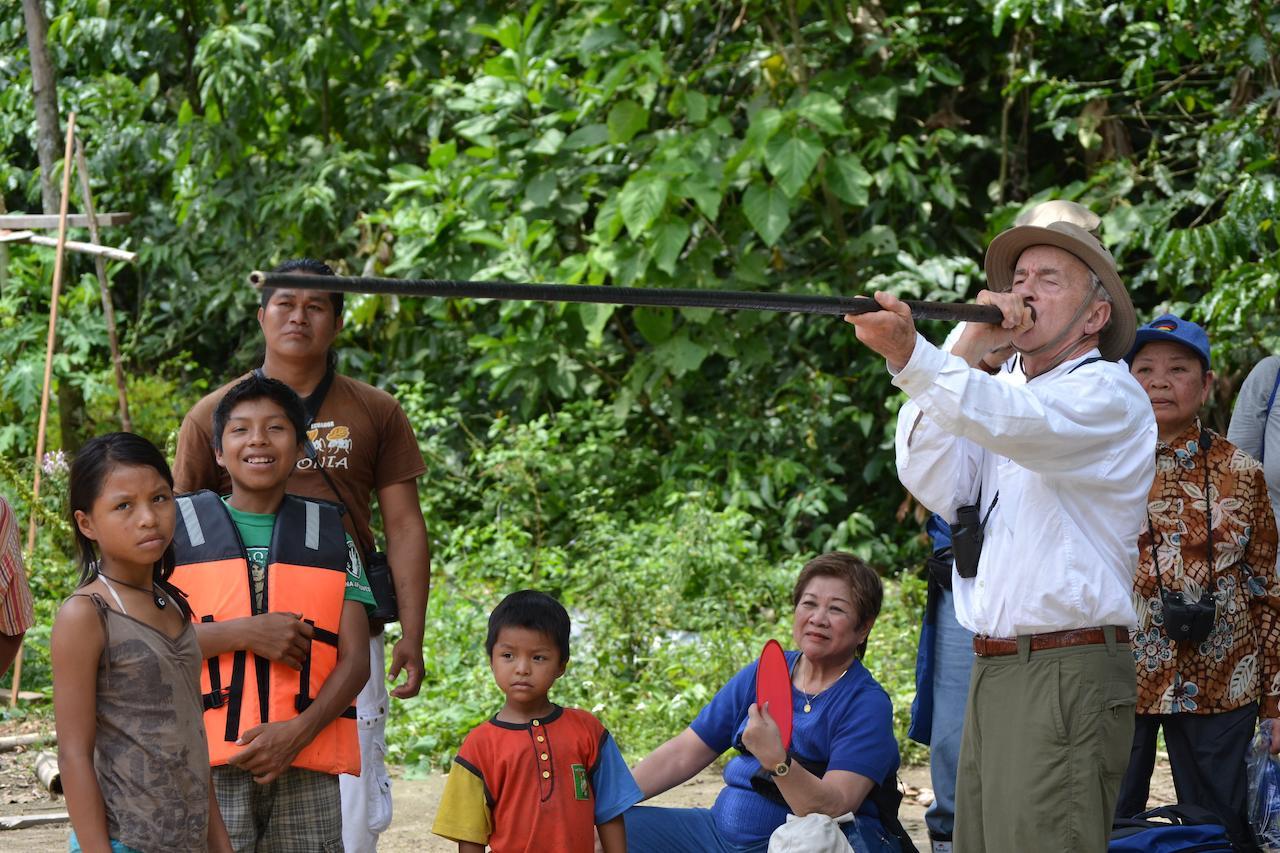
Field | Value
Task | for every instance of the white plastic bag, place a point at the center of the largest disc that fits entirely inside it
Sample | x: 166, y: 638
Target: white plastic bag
x: 813, y: 833
x: 1263, y: 770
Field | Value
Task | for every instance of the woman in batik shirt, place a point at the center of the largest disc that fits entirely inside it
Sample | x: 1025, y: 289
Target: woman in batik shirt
x: 1207, y: 648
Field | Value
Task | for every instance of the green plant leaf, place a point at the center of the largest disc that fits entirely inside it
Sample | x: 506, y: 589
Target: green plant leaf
x: 594, y: 318
x: 588, y: 136
x: 791, y: 158
x: 668, y: 242
x: 878, y: 99
x: 847, y: 179
x: 655, y: 324
x: 681, y: 355
x: 626, y: 119
x: 641, y: 200
x: 823, y: 111
x: 768, y: 211
x: 443, y: 154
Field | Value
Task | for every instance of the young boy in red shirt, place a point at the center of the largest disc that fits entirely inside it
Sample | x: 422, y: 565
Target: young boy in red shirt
x: 536, y: 776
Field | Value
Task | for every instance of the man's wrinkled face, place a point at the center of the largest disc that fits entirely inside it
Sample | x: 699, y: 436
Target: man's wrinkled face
x: 299, y: 324
x: 1054, y: 283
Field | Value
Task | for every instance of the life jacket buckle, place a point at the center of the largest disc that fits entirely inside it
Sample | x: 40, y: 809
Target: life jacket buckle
x: 216, y: 698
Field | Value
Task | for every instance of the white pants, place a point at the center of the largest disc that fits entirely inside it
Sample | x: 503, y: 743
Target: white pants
x: 366, y: 799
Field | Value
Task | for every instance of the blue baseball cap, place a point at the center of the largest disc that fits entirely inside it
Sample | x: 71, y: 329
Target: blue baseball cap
x: 1171, y: 327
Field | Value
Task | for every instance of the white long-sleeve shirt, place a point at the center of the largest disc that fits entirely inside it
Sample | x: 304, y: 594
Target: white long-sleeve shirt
x: 1072, y: 455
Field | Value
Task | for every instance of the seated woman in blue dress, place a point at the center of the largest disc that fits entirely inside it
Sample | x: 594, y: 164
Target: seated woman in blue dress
x: 843, y: 756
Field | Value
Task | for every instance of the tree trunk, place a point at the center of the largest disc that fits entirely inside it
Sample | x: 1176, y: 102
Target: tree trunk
x: 44, y: 88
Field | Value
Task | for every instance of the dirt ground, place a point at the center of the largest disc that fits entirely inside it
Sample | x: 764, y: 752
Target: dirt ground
x: 415, y: 805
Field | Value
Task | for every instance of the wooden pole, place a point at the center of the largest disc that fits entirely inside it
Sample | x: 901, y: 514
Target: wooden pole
x: 100, y: 267
x: 67, y: 165
x: 70, y: 245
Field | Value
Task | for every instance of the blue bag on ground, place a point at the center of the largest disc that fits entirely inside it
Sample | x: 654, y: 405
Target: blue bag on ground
x: 1170, y: 829
x: 1263, y: 770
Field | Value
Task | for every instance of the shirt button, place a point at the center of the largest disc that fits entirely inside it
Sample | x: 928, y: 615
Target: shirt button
x: 546, y: 774
x: 541, y: 738
x: 536, y: 723
x: 544, y: 756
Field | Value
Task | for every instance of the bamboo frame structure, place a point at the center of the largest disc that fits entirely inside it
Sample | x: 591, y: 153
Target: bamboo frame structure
x: 67, y: 166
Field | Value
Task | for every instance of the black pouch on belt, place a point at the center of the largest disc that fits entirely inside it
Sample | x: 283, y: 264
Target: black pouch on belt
x: 378, y: 570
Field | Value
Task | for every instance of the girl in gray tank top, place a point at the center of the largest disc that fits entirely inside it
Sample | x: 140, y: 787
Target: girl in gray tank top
x: 126, y: 666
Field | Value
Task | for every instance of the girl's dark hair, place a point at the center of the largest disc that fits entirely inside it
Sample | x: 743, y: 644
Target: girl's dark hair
x: 534, y: 610
x: 89, y: 470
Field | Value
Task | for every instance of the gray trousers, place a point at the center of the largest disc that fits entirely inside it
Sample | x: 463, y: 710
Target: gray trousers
x: 1046, y: 742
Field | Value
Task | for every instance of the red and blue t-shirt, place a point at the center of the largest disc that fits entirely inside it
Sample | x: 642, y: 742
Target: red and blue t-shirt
x: 536, y: 786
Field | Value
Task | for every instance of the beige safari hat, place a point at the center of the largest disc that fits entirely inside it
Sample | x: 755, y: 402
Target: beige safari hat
x: 1070, y: 227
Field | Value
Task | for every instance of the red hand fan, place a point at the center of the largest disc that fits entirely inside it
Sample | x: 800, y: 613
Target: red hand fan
x: 773, y: 685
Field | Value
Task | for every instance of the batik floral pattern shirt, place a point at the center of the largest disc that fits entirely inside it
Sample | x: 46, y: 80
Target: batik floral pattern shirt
x: 1239, y: 662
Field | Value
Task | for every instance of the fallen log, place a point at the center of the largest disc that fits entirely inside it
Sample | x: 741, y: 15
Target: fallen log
x: 28, y: 821
x: 9, y: 742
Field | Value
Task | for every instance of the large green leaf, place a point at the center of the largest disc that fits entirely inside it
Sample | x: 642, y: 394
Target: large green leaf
x: 791, y: 158
x: 588, y: 136
x: 668, y: 242
x: 641, y: 200
x: 594, y: 317
x: 823, y: 111
x: 847, y: 179
x: 768, y: 210
x: 656, y: 324
x: 626, y: 119
x: 681, y: 355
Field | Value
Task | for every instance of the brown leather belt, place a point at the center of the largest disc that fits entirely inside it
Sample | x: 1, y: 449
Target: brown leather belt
x: 984, y: 646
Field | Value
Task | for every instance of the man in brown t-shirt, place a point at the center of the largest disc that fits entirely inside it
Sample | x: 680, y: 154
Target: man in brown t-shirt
x: 365, y: 443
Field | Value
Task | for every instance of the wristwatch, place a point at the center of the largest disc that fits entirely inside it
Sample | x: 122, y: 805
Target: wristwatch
x: 782, y: 768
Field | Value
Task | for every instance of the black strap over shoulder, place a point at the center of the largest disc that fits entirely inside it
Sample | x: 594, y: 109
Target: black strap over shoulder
x: 1083, y: 363
x: 313, y: 401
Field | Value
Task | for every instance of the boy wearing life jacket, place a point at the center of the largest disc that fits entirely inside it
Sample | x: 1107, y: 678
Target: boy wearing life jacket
x: 280, y: 596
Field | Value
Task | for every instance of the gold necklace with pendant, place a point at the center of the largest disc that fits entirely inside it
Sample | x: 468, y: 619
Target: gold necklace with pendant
x: 809, y: 700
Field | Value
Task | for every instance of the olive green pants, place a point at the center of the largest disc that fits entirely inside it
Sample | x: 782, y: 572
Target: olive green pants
x: 1046, y: 742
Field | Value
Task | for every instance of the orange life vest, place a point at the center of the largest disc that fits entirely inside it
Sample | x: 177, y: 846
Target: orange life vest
x: 306, y: 573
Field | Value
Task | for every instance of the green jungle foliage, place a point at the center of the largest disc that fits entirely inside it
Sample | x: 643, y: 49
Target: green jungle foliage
x: 665, y: 472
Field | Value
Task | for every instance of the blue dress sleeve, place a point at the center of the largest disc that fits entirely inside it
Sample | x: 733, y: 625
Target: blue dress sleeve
x: 611, y: 781
x: 718, y: 723
x: 863, y: 741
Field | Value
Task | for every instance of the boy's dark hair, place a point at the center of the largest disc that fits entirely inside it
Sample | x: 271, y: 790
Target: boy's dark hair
x: 310, y: 266
x: 534, y: 610
x: 255, y: 387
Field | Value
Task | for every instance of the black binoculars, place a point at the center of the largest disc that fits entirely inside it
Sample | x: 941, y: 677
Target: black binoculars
x: 966, y: 540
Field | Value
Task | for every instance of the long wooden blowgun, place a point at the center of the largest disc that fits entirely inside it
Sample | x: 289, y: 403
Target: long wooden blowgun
x: 658, y: 297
